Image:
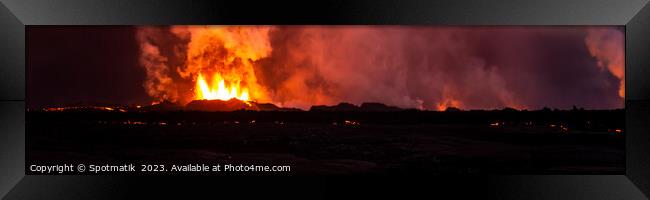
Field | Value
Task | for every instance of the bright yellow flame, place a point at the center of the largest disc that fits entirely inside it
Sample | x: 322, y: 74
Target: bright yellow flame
x: 221, y: 91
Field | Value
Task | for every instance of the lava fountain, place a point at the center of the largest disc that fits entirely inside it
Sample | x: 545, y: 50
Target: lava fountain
x: 218, y: 89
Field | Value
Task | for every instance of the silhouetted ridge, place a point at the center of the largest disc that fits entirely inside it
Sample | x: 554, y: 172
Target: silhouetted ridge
x: 347, y: 107
x: 163, y: 106
x: 453, y: 109
x: 271, y: 107
x: 219, y: 105
x: 232, y: 105
x: 373, y: 106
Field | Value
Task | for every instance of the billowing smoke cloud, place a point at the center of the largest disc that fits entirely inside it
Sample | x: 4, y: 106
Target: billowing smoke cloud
x: 192, y: 50
x: 607, y: 45
x: 159, y: 83
x: 228, y: 51
x: 410, y: 66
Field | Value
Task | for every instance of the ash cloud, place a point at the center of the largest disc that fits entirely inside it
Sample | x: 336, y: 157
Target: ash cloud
x: 161, y: 52
x: 436, y: 67
x: 417, y: 66
x: 607, y: 46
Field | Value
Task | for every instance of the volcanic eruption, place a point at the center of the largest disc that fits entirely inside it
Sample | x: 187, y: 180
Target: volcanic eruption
x: 372, y: 99
x: 428, y: 68
x: 219, y: 90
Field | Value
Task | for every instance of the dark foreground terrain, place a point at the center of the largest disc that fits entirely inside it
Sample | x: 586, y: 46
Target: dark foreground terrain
x: 319, y: 143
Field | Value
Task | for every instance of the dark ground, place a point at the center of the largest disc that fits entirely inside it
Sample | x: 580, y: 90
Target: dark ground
x: 325, y: 143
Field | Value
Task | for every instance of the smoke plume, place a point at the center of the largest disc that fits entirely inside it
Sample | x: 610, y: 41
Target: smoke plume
x: 408, y: 66
x: 607, y: 46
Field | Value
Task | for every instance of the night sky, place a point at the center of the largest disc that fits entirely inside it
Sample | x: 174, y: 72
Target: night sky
x: 481, y: 67
x: 71, y: 64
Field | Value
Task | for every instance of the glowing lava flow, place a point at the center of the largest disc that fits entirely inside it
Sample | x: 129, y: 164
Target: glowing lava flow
x: 219, y: 89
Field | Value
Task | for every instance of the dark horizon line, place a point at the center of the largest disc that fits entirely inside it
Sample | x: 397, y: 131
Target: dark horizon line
x: 182, y: 107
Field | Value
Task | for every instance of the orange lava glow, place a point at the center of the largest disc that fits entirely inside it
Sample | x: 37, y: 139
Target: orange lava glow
x: 220, y: 61
x: 219, y: 89
x: 448, y: 103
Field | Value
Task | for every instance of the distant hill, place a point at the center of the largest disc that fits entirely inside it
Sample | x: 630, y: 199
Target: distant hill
x: 219, y: 105
x: 337, y: 108
x: 453, y: 109
x: 271, y: 107
x: 163, y: 106
x: 348, y: 107
x: 373, y: 106
x: 232, y: 105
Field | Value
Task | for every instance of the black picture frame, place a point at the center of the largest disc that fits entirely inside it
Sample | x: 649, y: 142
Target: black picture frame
x: 633, y: 14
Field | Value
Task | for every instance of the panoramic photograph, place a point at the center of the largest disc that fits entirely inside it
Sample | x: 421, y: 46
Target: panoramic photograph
x: 327, y: 100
